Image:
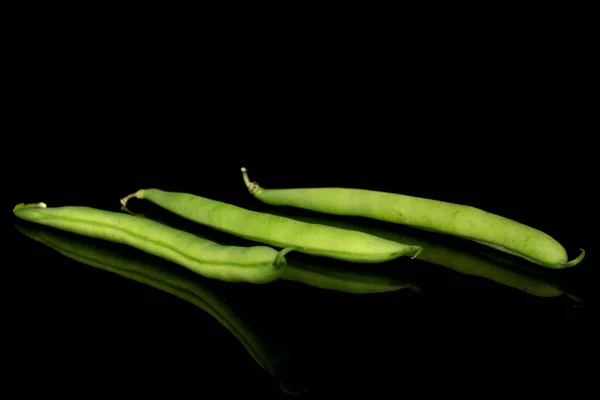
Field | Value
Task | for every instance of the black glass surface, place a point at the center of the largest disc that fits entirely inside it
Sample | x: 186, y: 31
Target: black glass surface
x: 89, y: 317
x: 504, y: 125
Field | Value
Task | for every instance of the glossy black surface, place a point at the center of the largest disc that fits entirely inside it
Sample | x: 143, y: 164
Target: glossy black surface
x: 505, y: 125
x: 73, y: 323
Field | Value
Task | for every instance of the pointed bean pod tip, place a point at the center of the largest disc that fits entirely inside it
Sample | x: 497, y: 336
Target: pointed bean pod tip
x: 577, y: 260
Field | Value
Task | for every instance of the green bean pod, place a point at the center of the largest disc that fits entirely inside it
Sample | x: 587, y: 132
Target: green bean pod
x: 514, y: 274
x: 459, y: 220
x: 168, y: 277
x: 281, y: 232
x: 323, y: 273
x: 255, y: 264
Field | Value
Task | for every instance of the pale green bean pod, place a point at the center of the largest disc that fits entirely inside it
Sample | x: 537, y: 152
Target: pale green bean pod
x: 276, y: 231
x: 459, y: 220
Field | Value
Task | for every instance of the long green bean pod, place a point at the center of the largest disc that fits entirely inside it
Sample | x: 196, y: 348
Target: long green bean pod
x: 319, y: 272
x: 254, y: 264
x: 276, y: 231
x: 514, y: 274
x: 458, y: 220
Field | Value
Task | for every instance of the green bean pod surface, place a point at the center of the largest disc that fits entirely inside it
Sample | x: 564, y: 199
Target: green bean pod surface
x: 281, y: 232
x: 459, y: 220
x: 168, y: 277
x: 255, y: 264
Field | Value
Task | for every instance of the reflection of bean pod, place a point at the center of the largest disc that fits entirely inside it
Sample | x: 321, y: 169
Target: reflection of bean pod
x: 348, y: 279
x: 458, y: 220
x: 314, y: 239
x: 165, y: 276
x: 517, y: 275
x: 256, y: 264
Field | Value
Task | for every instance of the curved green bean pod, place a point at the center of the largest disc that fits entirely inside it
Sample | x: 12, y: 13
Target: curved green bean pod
x: 166, y: 276
x: 325, y: 273
x: 516, y: 275
x: 256, y: 264
x: 458, y: 220
x: 314, y: 239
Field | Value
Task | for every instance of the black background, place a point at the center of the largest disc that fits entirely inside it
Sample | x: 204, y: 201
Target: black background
x: 507, y: 134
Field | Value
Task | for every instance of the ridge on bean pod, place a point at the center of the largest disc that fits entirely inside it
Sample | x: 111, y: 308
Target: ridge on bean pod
x: 459, y: 220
